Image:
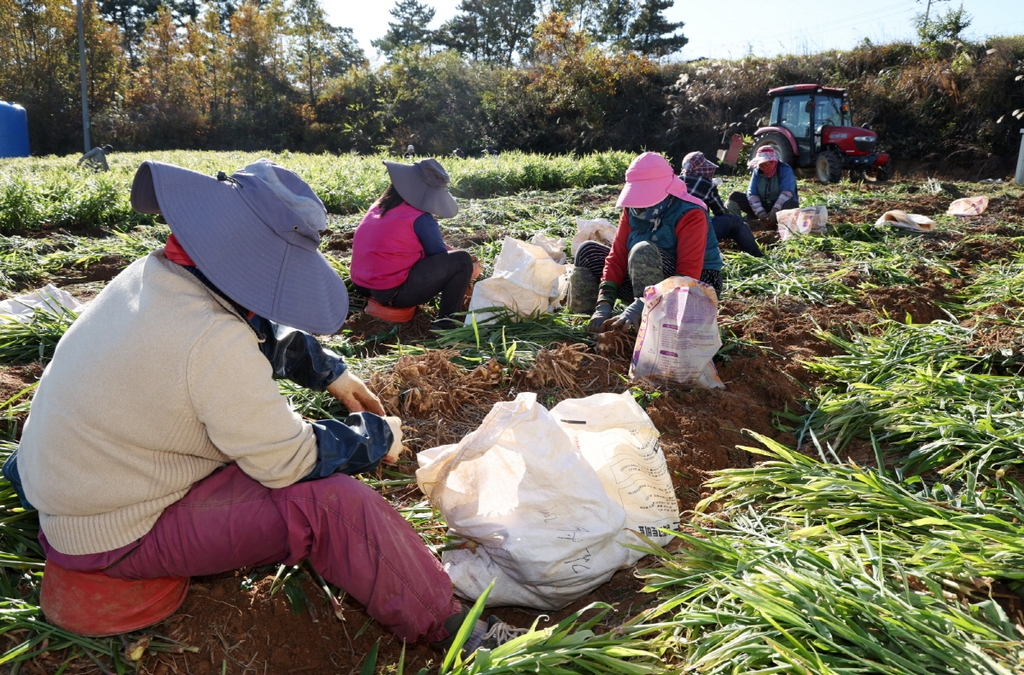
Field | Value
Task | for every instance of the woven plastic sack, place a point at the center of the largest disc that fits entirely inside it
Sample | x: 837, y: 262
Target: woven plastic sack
x: 49, y: 299
x: 547, y: 500
x: 906, y: 221
x: 525, y: 279
x: 599, y: 230
x: 553, y: 246
x: 678, y: 334
x: 966, y: 207
x: 798, y: 222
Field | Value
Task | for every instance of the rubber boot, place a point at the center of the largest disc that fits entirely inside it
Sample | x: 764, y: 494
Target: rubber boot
x: 583, y: 288
x: 645, y: 267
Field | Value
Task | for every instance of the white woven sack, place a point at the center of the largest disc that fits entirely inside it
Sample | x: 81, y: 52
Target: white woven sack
x: 525, y: 280
x: 543, y: 524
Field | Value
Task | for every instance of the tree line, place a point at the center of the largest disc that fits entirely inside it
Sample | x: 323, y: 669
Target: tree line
x: 552, y: 77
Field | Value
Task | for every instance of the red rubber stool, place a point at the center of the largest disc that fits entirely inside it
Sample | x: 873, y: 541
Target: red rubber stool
x: 95, y: 605
x: 392, y: 314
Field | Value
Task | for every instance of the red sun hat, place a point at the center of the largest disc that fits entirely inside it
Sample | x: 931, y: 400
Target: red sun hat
x: 695, y: 163
x: 649, y: 179
x: 765, y: 153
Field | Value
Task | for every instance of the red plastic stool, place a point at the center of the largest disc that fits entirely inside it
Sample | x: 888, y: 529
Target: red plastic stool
x: 392, y: 314
x: 95, y: 605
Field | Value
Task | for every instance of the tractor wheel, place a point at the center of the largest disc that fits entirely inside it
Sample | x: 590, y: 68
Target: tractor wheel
x: 779, y: 143
x: 829, y: 167
x: 877, y: 174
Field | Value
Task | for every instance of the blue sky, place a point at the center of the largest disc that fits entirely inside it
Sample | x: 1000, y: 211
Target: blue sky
x: 734, y: 28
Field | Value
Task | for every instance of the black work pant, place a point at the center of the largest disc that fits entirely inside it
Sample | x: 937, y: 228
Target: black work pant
x: 446, y: 273
x: 731, y: 226
x: 741, y: 200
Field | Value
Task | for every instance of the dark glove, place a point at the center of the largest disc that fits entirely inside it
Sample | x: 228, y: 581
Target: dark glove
x: 630, y: 317
x: 772, y: 219
x: 601, y: 314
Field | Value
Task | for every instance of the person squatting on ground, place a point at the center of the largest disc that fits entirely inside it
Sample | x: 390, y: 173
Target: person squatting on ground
x: 398, y: 255
x: 772, y: 188
x: 663, y: 231
x: 158, y: 444
x: 697, y: 172
x: 96, y: 159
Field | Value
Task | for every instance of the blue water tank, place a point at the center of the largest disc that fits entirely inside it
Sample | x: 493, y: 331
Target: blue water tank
x: 13, y: 130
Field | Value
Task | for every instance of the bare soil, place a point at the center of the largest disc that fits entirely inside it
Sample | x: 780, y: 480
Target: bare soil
x: 239, y: 627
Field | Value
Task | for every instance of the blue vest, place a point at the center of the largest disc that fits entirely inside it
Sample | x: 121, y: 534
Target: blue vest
x: 661, y: 231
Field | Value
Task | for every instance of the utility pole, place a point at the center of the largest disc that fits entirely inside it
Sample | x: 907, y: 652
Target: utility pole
x: 927, y: 9
x: 81, y: 70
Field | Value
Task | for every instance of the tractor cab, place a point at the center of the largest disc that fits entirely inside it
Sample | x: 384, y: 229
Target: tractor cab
x: 811, y: 126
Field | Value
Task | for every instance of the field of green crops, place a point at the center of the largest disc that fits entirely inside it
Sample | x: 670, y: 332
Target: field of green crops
x: 871, y: 520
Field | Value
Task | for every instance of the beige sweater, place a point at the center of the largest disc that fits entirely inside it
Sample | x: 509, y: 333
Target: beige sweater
x: 155, y: 386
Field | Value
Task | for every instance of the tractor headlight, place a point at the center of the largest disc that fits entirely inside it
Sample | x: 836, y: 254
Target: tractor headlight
x: 864, y: 139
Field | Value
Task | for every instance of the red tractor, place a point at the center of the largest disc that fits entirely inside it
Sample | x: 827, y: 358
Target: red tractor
x: 811, y: 128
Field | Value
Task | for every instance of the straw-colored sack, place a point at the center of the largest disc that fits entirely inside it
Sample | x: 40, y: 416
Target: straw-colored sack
x: 906, y: 221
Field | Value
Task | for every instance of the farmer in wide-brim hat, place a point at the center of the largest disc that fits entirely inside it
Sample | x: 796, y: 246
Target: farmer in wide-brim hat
x: 399, y: 257
x: 772, y: 188
x: 159, y: 446
x: 697, y: 172
x: 663, y: 232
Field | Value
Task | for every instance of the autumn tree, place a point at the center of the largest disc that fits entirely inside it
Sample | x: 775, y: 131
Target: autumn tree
x: 39, y: 53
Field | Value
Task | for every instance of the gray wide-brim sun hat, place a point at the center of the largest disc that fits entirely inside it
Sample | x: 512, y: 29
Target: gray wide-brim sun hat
x: 423, y: 185
x: 255, y: 235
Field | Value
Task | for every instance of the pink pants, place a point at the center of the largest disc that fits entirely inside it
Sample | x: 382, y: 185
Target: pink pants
x: 351, y: 535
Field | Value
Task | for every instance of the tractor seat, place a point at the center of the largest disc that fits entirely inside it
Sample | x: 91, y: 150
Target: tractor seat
x: 96, y: 605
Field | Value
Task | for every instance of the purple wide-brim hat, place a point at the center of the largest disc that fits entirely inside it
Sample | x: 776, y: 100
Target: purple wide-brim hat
x: 424, y: 185
x: 255, y: 235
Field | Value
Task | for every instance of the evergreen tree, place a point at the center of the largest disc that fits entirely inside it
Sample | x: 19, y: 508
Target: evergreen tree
x: 409, y: 29
x: 319, y: 49
x: 615, y: 20
x: 651, y: 34
x: 585, y: 15
x: 490, y: 30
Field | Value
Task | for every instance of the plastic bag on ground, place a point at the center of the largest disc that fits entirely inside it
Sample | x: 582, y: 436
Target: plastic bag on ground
x: 968, y: 206
x: 798, y: 222
x: 546, y: 500
x: 48, y: 298
x: 906, y: 221
x: 525, y: 279
x: 599, y: 230
x: 678, y: 334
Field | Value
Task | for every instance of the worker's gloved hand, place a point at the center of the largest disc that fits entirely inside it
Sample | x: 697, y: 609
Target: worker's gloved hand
x: 759, y: 212
x: 396, y: 449
x: 352, y: 391
x: 630, y: 317
x: 772, y: 219
x: 601, y: 314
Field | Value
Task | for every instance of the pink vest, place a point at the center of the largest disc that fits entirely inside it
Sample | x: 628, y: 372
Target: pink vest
x: 385, y: 248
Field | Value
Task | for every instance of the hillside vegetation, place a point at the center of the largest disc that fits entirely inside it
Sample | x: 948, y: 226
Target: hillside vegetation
x: 258, y: 79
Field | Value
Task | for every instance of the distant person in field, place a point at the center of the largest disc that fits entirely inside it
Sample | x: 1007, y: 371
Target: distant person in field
x: 459, y: 153
x: 663, y: 231
x: 410, y: 152
x: 96, y: 159
x: 158, y: 445
x: 399, y: 257
x: 698, y: 172
x: 772, y: 188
